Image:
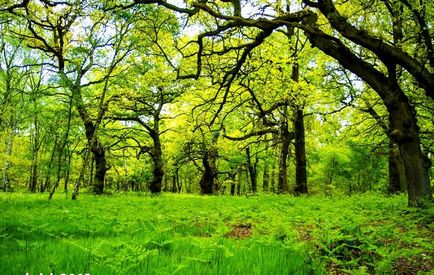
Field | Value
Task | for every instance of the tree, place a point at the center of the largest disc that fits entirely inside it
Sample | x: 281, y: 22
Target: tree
x: 77, y: 56
x: 404, y: 128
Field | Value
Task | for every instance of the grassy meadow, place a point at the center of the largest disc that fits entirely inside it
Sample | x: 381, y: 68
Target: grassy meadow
x: 188, y: 234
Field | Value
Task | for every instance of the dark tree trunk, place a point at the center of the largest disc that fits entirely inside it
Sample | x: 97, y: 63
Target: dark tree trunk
x: 233, y: 183
x: 238, y: 189
x: 209, y: 176
x: 100, y: 170
x: 33, y: 173
x: 92, y: 171
x: 157, y: 157
x: 300, y: 145
x: 252, y: 170
x: 209, y: 180
x: 405, y: 134
x: 284, y: 152
x: 300, y: 154
x: 158, y: 166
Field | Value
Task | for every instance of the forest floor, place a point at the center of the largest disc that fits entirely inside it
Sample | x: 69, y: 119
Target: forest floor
x: 187, y: 234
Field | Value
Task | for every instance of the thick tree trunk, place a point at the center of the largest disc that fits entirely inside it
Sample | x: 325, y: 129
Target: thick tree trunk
x: 252, y: 170
x: 404, y: 132
x: 209, y: 176
x: 158, y: 166
x: 100, y: 170
x: 300, y: 154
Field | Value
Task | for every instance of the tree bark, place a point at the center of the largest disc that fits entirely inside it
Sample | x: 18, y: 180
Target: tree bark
x: 285, y: 137
x: 300, y: 154
x: 100, y: 170
x: 157, y: 161
x: 252, y: 170
x: 209, y: 182
x: 300, y: 144
x: 232, y: 177
x: 209, y: 176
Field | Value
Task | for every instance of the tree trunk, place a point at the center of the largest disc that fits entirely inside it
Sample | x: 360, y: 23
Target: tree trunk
x: 209, y: 176
x: 34, y: 172
x: 284, y: 152
x: 100, y: 170
x: 157, y: 161
x: 209, y: 181
x: 405, y: 134
x: 95, y: 146
x: 232, y: 177
x: 252, y: 170
x: 178, y: 180
x: 300, y: 154
x: 6, y: 179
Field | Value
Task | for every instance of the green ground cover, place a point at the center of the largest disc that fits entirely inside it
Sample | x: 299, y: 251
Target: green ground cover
x: 185, y: 234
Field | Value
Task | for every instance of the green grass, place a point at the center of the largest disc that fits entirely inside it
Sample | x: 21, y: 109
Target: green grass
x: 184, y: 234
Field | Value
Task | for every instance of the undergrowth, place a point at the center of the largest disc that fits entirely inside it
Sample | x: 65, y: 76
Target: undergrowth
x: 186, y: 234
